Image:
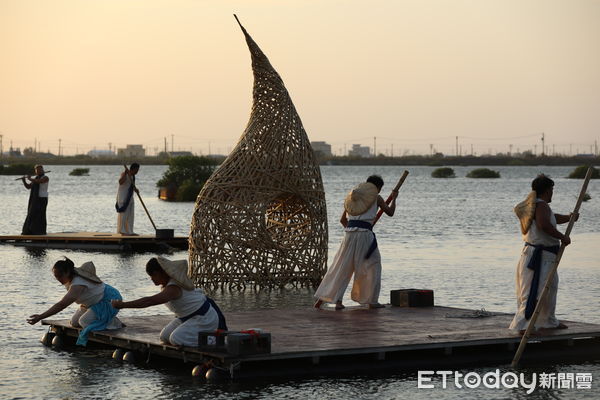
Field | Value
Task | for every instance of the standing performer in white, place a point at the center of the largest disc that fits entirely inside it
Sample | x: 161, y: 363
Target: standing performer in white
x: 125, y: 203
x: 542, y: 242
x: 358, y: 253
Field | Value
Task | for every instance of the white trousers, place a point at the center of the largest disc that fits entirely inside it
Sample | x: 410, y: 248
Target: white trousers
x: 546, y: 318
x: 350, y: 259
x: 85, y: 316
x: 125, y: 219
x: 185, y: 333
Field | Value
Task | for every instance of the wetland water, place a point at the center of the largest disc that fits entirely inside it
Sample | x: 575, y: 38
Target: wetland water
x: 455, y: 236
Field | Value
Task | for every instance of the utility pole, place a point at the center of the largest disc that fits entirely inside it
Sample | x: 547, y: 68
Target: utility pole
x: 172, y: 136
x: 59, y: 142
x: 471, y: 149
x: 535, y: 149
x: 431, y: 149
x: 165, y: 144
x: 109, y: 147
x: 1, y: 148
x: 374, y: 146
x: 510, y: 150
x: 543, y: 144
x: 595, y: 145
x: 209, y: 153
x: 457, y: 146
x: 392, y: 150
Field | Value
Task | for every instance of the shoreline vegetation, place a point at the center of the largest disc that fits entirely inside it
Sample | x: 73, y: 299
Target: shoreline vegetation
x: 437, y: 160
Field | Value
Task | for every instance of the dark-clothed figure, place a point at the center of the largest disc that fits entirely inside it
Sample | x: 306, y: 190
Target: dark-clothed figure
x: 35, y: 222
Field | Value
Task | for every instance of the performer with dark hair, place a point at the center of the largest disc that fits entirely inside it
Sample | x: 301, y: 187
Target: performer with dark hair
x: 94, y: 296
x: 125, y: 203
x: 542, y: 242
x: 194, y: 311
x: 35, y: 222
x: 358, y: 253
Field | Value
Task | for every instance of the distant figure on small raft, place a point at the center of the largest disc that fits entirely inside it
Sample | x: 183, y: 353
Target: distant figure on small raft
x: 125, y: 203
x: 542, y: 242
x: 194, y: 311
x: 86, y: 289
x: 358, y: 252
x: 35, y: 222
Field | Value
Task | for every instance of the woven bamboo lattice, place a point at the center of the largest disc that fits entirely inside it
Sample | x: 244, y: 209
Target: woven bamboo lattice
x: 261, y: 219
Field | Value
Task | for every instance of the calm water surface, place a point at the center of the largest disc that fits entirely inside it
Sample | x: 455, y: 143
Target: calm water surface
x: 456, y: 236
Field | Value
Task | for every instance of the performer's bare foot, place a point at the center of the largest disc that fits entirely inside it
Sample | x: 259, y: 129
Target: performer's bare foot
x: 559, y: 326
x: 339, y: 305
x: 376, y: 305
x: 318, y: 303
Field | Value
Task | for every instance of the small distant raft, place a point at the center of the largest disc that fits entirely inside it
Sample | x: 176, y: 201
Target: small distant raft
x: 97, y: 241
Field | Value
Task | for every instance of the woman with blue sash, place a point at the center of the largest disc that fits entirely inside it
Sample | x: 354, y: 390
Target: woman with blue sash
x: 542, y: 242
x: 358, y: 253
x: 94, y: 297
x: 125, y: 203
x: 194, y: 311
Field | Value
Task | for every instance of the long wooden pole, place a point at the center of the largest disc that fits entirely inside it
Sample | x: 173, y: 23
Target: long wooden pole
x: 531, y: 326
x: 390, y: 197
x: 141, y: 201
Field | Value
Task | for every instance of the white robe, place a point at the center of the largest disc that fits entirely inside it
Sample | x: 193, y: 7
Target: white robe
x: 125, y: 219
x: 546, y: 317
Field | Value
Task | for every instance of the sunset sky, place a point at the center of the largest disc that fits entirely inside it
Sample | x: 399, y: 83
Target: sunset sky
x: 412, y: 73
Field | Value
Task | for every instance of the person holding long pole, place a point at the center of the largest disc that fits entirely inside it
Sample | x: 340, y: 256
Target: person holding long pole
x: 542, y: 243
x: 358, y: 253
x: 35, y: 222
x: 125, y: 203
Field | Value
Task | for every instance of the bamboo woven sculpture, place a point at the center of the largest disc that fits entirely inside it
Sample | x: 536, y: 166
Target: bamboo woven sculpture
x: 261, y: 219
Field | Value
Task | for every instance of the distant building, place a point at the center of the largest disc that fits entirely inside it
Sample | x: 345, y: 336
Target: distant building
x: 132, y: 151
x: 322, y: 148
x: 101, y: 153
x: 359, y: 151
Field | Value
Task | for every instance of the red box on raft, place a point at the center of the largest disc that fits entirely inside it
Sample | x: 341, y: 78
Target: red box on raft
x: 235, y: 343
x: 411, y: 297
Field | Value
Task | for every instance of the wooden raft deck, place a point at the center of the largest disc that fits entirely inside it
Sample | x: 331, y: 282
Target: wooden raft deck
x: 309, y: 341
x: 96, y: 241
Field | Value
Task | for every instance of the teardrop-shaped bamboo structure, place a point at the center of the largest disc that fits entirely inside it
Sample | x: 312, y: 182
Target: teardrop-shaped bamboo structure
x: 261, y: 219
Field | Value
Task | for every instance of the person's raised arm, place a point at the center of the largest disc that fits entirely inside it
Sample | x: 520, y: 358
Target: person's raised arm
x: 122, y: 178
x: 542, y: 221
x: 171, y: 292
x: 27, y: 185
x: 344, y: 219
x: 68, y: 299
x: 388, y: 209
x: 563, y: 219
x: 43, y: 179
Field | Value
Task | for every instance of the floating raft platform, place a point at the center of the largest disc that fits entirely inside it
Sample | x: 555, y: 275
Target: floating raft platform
x: 309, y: 341
x: 97, y: 241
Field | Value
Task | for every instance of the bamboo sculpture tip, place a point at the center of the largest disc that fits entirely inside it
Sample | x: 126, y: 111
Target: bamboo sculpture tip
x: 238, y: 21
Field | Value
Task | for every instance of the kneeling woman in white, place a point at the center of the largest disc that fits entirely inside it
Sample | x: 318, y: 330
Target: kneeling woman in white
x: 194, y: 311
x: 86, y: 289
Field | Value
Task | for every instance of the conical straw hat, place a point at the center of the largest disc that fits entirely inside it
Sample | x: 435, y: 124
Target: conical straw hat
x: 361, y: 198
x: 177, y: 270
x: 88, y: 271
x: 525, y: 211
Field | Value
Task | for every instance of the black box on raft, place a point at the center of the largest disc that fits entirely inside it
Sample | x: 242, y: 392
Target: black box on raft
x: 411, y: 297
x: 235, y: 343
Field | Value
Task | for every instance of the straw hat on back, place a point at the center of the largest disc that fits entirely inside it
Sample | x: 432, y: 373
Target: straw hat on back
x: 360, y: 199
x: 525, y: 211
x: 177, y: 270
x: 88, y: 271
